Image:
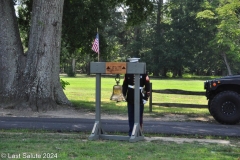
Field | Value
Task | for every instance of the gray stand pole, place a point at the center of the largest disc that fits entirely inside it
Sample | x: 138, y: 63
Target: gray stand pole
x: 97, y: 129
x: 137, y: 132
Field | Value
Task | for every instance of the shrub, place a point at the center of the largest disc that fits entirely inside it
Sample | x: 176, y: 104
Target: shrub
x: 64, y: 83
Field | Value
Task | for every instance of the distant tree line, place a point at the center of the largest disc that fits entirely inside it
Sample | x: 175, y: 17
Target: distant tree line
x: 198, y: 37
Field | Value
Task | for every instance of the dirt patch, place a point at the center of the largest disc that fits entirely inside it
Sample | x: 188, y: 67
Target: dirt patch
x: 188, y: 140
x: 151, y: 139
x: 69, y: 112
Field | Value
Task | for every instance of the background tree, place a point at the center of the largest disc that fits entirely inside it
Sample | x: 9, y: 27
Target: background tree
x: 184, y: 35
x: 225, y: 15
x: 228, y: 31
x: 11, y: 54
x: 36, y: 82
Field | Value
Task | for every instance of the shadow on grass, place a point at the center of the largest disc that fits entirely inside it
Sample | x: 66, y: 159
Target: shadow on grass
x: 190, y: 112
x: 106, y: 107
x: 185, y: 78
x: 158, y: 111
x: 181, y: 105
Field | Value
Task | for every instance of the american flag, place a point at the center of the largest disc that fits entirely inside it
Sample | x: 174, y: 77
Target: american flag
x: 95, y: 46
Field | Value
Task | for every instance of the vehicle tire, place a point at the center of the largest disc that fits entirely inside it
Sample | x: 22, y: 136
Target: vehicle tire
x: 225, y: 107
x: 209, y: 104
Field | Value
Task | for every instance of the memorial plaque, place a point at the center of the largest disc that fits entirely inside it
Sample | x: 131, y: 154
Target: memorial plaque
x: 116, y: 67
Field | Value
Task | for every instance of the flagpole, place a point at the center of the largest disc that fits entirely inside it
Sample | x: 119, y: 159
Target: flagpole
x: 98, y: 45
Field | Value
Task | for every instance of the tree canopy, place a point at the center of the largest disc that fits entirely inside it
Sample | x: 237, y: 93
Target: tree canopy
x: 197, y: 37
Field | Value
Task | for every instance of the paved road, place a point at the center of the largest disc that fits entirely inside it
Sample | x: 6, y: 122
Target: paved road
x: 79, y: 124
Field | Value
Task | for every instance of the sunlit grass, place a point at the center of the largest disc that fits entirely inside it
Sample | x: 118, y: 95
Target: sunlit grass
x: 77, y: 146
x: 81, y: 92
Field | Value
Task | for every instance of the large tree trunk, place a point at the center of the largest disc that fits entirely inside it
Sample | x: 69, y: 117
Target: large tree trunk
x: 39, y: 85
x: 11, y: 53
x: 43, y: 60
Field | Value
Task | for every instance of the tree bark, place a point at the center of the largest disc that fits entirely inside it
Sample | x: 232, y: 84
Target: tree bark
x: 157, y: 53
x: 11, y: 54
x: 38, y: 87
x: 226, y: 63
x: 73, y: 65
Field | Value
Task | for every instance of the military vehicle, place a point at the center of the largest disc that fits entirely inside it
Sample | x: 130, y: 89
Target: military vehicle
x: 223, y: 96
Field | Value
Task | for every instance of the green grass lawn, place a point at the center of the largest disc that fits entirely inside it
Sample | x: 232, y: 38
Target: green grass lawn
x: 35, y: 144
x: 81, y: 92
x: 65, y: 146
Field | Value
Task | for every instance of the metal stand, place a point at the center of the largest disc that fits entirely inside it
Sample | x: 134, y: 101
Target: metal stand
x: 137, y: 132
x: 132, y: 68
